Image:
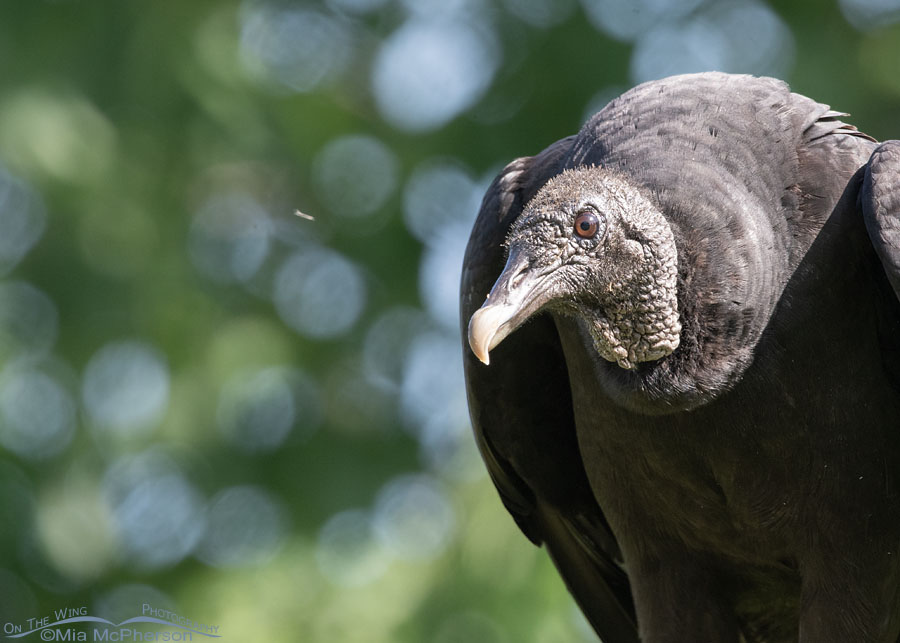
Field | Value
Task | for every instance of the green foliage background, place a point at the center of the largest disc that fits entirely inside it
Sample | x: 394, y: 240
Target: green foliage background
x: 123, y: 120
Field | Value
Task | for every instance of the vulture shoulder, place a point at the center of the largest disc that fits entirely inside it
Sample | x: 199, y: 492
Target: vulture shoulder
x: 521, y: 411
x: 880, y: 201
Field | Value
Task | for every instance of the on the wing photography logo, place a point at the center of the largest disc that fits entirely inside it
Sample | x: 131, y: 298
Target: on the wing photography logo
x: 76, y: 624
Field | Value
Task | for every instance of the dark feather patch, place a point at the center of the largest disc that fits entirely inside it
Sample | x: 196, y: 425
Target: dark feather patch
x: 746, y: 479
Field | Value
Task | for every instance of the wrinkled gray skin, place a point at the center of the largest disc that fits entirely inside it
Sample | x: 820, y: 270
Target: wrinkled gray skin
x: 620, y: 285
x: 697, y: 411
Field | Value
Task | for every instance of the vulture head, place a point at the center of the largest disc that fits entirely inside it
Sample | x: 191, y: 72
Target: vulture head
x: 591, y: 246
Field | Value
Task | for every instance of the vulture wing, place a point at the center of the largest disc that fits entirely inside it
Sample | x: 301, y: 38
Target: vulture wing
x: 880, y: 200
x: 521, y: 409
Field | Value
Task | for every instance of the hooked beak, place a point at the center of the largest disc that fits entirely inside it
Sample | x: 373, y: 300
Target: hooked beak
x: 517, y: 295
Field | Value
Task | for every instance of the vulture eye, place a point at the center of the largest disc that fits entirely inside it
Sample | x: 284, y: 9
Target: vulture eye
x: 586, y: 225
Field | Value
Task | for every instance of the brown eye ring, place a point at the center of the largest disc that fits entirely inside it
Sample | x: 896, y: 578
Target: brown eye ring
x: 587, y: 224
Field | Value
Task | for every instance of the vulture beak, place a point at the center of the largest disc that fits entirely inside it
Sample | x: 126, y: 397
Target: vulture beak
x: 517, y: 295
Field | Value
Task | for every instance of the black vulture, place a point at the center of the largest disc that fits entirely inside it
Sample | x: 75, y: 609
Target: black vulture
x: 693, y: 397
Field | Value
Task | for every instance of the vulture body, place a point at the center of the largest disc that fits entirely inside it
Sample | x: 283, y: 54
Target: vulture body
x: 691, y: 315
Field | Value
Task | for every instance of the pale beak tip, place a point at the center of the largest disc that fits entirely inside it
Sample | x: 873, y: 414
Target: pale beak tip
x: 515, y: 296
x: 480, y: 338
x: 487, y: 328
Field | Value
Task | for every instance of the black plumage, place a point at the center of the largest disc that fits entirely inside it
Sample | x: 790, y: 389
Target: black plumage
x: 695, y: 406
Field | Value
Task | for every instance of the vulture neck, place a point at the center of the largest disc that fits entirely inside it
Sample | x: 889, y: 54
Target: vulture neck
x: 699, y: 335
x: 640, y: 321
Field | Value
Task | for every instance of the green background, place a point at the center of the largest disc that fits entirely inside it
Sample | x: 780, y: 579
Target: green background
x: 257, y: 420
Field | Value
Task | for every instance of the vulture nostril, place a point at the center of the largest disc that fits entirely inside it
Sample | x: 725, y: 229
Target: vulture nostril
x: 519, y: 276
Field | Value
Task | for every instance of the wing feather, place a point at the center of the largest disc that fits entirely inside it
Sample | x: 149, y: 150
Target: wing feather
x: 880, y: 200
x: 522, y: 417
